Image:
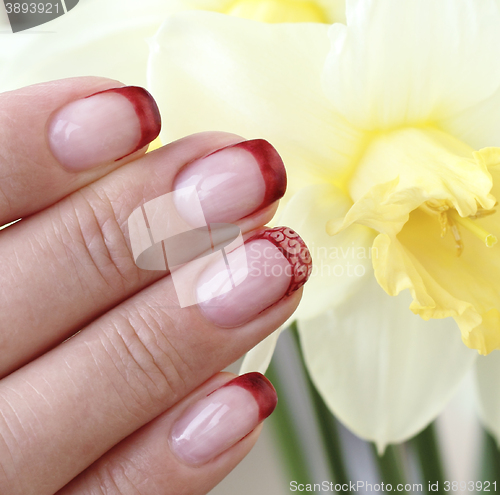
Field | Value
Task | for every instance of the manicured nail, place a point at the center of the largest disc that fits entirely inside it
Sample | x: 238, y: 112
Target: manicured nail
x: 104, y: 127
x: 223, y: 418
x: 233, y: 182
x: 271, y: 265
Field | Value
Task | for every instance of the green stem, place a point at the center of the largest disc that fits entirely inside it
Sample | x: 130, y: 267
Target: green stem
x: 326, y: 422
x: 490, y: 462
x: 390, y: 466
x: 331, y: 440
x: 284, y: 428
x: 427, y: 449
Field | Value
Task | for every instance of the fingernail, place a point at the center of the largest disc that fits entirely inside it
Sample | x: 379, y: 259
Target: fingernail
x: 223, y: 418
x: 104, y: 127
x: 233, y: 182
x: 269, y: 266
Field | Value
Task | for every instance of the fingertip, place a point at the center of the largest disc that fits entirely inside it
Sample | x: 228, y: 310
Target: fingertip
x: 103, y: 127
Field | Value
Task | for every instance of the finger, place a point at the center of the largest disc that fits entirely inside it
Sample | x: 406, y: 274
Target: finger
x: 73, y: 404
x: 59, y: 136
x: 67, y: 265
x: 155, y: 460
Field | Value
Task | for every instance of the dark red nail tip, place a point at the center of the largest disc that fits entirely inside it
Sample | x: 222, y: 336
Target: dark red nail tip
x: 262, y: 390
x: 271, y: 166
x: 294, y: 249
x: 146, y: 109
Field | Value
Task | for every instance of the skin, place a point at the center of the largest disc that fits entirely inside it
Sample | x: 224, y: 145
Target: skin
x: 92, y: 414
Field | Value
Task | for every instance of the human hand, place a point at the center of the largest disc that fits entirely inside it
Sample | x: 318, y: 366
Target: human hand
x: 134, y: 402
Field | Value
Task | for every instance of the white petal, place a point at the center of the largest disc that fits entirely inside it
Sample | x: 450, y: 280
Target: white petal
x: 478, y: 126
x: 414, y: 61
x: 459, y: 431
x: 340, y: 262
x: 488, y: 378
x: 383, y: 371
x: 214, y: 72
x: 258, y: 358
x: 98, y: 37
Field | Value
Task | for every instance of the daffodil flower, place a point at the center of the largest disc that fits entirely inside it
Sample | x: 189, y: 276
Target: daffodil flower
x: 109, y: 38
x: 388, y: 126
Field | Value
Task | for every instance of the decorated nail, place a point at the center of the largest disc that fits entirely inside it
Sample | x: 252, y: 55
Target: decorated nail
x: 104, y: 127
x: 223, y: 418
x: 294, y: 249
x: 271, y: 265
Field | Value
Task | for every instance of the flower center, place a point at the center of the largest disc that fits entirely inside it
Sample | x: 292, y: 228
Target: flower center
x: 423, y: 169
x: 277, y: 11
x: 452, y: 222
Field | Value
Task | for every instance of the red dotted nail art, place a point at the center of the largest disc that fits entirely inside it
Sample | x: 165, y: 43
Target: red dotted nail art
x: 294, y: 250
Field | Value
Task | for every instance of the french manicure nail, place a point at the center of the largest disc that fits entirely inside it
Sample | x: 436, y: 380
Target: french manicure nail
x: 233, y: 182
x: 223, y: 418
x: 103, y: 127
x: 271, y: 265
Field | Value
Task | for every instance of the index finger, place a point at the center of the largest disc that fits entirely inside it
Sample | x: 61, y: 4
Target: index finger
x: 59, y: 136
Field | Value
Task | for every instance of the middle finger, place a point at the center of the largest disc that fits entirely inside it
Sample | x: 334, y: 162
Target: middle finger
x: 67, y: 265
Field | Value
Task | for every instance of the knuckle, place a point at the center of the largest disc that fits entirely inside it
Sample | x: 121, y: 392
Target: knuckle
x: 113, y: 479
x: 95, y: 242
x: 121, y: 475
x: 146, y: 358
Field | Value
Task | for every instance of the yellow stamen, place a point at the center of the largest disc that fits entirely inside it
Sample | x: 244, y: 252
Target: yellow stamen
x: 449, y: 220
x: 443, y: 222
x: 456, y: 235
x: 274, y: 11
x: 489, y: 239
